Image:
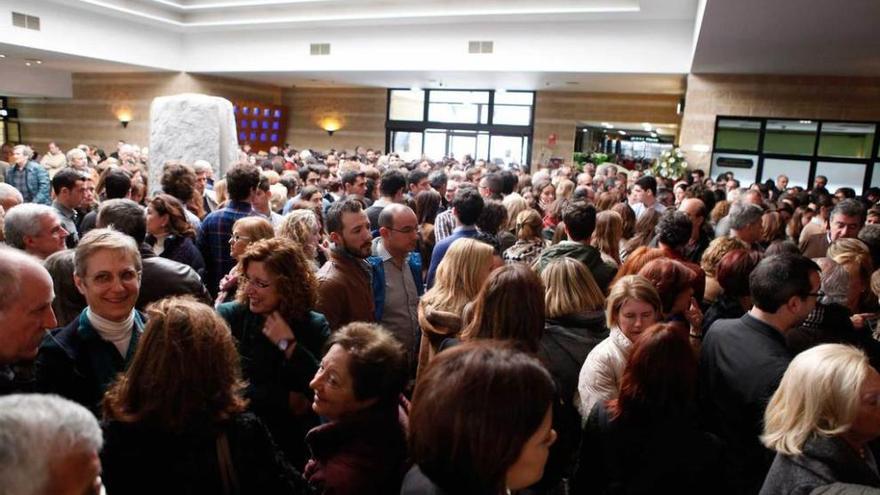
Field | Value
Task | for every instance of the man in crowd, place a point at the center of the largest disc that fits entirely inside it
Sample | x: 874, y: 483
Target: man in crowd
x: 417, y: 181
x: 491, y: 186
x: 674, y: 230
x: 846, y: 219
x: 354, y: 183
x: 69, y: 187
x: 179, y: 180
x: 397, y: 276
x: 49, y: 445
x: 54, y: 160
x: 204, y: 180
x: 466, y: 208
x: 26, y: 294
x: 117, y: 185
x: 645, y: 196
x: 35, y: 229
x: 579, y: 218
x: 742, y: 361
x: 392, y: 186
x: 701, y: 233
x: 345, y: 293
x: 782, y: 183
x: 213, y: 240
x: 28, y: 176
x: 745, y: 223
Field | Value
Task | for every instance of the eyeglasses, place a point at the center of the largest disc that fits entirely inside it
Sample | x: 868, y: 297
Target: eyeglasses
x: 818, y: 293
x: 238, y: 237
x: 405, y: 230
x: 256, y: 283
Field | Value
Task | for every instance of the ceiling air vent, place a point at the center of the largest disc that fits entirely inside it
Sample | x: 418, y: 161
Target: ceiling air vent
x: 320, y: 49
x: 480, y: 47
x: 25, y: 21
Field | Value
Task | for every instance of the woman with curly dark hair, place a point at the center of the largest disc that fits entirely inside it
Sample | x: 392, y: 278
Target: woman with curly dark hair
x: 179, y: 411
x: 280, y: 338
x: 170, y: 234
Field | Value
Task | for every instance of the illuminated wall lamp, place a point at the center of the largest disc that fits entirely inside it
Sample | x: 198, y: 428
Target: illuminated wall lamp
x: 124, y: 118
x: 330, y: 125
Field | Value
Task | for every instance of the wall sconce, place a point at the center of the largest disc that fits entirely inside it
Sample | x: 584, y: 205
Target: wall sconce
x: 330, y: 125
x: 124, y: 117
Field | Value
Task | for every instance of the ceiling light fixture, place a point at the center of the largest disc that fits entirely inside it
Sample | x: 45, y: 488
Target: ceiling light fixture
x: 2, y: 56
x: 32, y: 61
x: 607, y: 125
x: 622, y: 133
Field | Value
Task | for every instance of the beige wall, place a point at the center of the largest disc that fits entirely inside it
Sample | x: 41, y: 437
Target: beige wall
x: 91, y: 115
x: 559, y: 112
x: 359, y: 111
x: 804, y: 97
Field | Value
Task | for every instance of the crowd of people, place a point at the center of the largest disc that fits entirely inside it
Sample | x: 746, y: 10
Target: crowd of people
x: 348, y: 322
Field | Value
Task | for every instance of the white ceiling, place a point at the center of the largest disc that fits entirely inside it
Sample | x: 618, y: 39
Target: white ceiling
x: 16, y: 56
x: 816, y: 37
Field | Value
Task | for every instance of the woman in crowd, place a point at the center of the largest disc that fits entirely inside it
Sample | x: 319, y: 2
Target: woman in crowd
x: 515, y: 205
x: 245, y: 231
x: 674, y: 283
x: 492, y: 220
x: 489, y: 442
x: 644, y: 232
x: 633, y: 305
x: 529, y: 243
x: 820, y: 421
x: 607, y: 236
x: 606, y: 200
x: 721, y: 209
x: 855, y: 256
x: 427, y: 207
x: 459, y: 277
x: 564, y: 189
x: 733, y: 277
x: 629, y: 220
x: 79, y: 361
x: 176, y: 420
x: 709, y: 263
x: 771, y: 228
x: 362, y: 446
x: 170, y: 234
x: 545, y: 193
x: 652, y: 421
x: 279, y: 337
x: 801, y: 217
x: 635, y: 261
x: 312, y: 195
x: 302, y: 227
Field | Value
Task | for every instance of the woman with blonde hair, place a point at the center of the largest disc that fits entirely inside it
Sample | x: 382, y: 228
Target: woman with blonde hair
x: 245, y: 231
x: 564, y: 189
x: 632, y: 306
x: 820, y: 421
x: 515, y: 205
x: 607, y: 236
x: 459, y: 278
x: 855, y: 256
x: 529, y: 241
x: 303, y: 228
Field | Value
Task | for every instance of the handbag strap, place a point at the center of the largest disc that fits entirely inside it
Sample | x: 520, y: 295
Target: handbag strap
x: 224, y: 462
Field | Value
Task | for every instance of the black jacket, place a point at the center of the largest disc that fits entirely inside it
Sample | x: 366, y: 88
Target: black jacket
x: 140, y: 459
x: 163, y: 277
x: 663, y: 455
x: 76, y: 363
x: 724, y: 308
x: 825, y: 460
x: 741, y: 364
x: 182, y: 249
x: 830, y: 324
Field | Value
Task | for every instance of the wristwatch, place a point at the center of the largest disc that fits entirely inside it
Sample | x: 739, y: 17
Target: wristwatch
x: 283, y: 344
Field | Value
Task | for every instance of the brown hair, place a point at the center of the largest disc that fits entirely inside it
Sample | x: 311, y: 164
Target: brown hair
x: 166, y: 204
x: 635, y: 261
x: 474, y: 408
x: 510, y: 306
x: 607, y: 200
x: 295, y: 280
x: 716, y: 250
x: 186, y: 370
x: 629, y: 219
x: 644, y: 230
x: 609, y: 230
x: 377, y: 361
x: 669, y: 277
x: 254, y: 227
x: 528, y: 225
x: 659, y: 378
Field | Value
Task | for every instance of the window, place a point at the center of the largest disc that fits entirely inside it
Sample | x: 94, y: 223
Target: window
x: 790, y: 137
x: 513, y: 108
x: 843, y: 174
x: 744, y: 167
x: 406, y: 105
x: 407, y: 144
x: 846, y: 140
x: 463, y: 107
x: 739, y: 135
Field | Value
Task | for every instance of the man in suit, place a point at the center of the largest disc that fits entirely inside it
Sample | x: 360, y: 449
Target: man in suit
x: 845, y: 221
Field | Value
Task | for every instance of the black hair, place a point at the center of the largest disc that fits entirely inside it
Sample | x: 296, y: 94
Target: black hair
x: 778, y: 278
x: 68, y: 178
x: 648, y: 183
x: 391, y: 182
x: 117, y: 183
x: 241, y: 180
x: 468, y: 205
x: 674, y: 229
x: 580, y: 220
x: 333, y: 219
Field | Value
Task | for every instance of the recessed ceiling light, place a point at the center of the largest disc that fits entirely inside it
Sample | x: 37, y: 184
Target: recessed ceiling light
x: 622, y: 133
x: 2, y: 56
x: 607, y: 125
x: 27, y: 63
x: 572, y: 83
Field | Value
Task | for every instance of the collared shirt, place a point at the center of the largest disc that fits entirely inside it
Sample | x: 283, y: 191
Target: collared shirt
x: 400, y: 314
x: 640, y: 208
x: 213, y: 241
x: 68, y: 221
x: 444, y: 224
x: 16, y: 176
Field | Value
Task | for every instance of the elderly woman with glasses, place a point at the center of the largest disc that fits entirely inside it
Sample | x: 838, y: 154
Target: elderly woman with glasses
x: 81, y: 360
x: 279, y: 337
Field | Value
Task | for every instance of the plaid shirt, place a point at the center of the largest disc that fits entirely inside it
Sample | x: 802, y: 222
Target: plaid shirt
x: 213, y: 241
x: 444, y: 225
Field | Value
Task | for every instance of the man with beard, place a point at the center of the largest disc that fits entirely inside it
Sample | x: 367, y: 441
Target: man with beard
x: 345, y: 293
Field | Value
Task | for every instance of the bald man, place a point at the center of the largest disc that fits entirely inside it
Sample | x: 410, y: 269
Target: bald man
x: 701, y: 236
x: 26, y: 295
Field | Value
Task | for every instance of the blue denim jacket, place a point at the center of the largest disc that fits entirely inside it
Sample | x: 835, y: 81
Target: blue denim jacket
x: 414, y: 260
x: 36, y: 182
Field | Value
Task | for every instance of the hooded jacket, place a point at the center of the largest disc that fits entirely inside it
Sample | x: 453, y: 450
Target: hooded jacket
x: 602, y: 271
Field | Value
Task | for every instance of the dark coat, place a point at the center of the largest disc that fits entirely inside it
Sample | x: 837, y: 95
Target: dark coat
x: 830, y: 324
x: 563, y: 348
x: 76, y: 363
x: 139, y: 459
x: 741, y: 364
x: 724, y: 308
x: 271, y: 378
x: 664, y: 455
x: 825, y: 460
x: 363, y: 454
x: 163, y: 277
x: 182, y: 249
x: 417, y: 483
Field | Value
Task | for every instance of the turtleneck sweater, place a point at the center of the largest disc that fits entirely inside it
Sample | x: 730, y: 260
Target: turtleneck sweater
x: 117, y: 333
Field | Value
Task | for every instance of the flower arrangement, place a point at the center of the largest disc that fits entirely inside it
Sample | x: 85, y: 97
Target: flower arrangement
x: 670, y: 165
